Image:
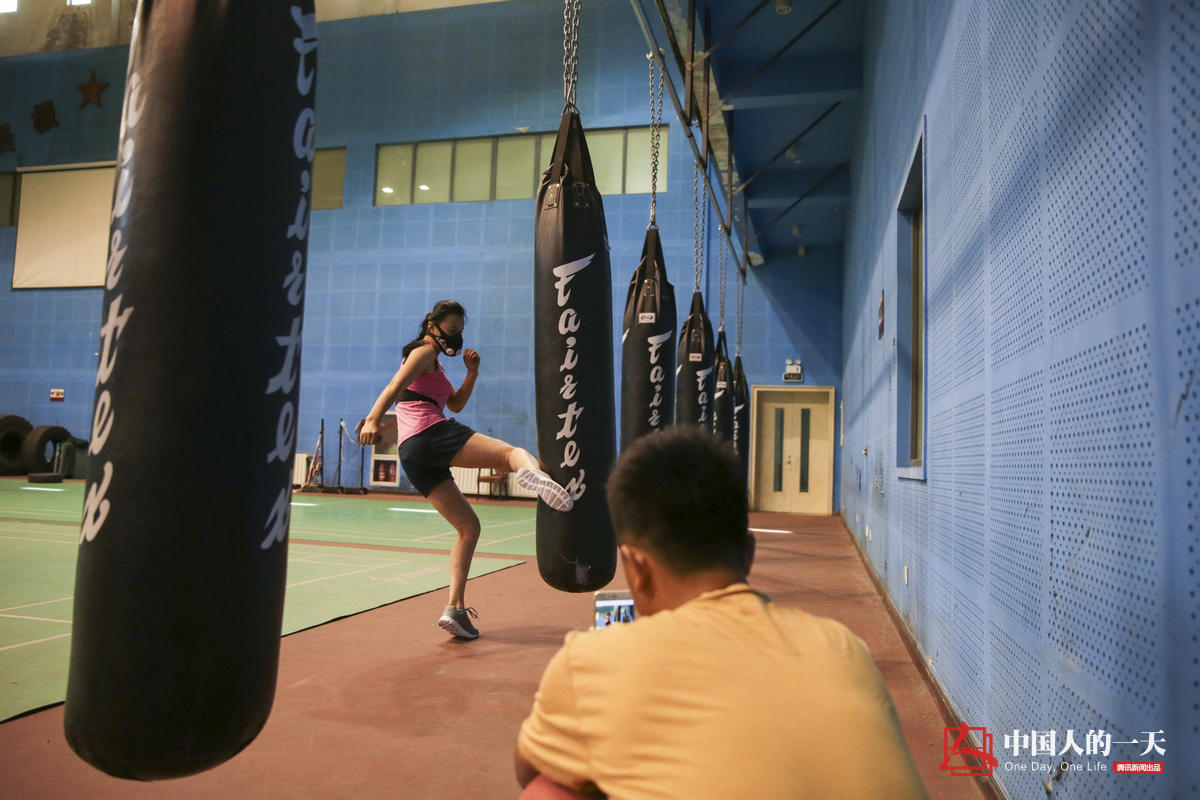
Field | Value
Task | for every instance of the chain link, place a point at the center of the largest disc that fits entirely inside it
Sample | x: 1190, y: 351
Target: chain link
x: 570, y: 50
x: 741, y: 306
x: 699, y: 220
x: 655, y: 137
x: 722, y: 274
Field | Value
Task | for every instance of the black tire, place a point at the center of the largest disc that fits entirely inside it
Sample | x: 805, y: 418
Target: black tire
x: 34, y: 449
x: 13, y: 430
x: 45, y: 477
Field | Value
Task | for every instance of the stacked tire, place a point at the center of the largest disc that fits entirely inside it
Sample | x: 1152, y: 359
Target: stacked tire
x: 25, y: 449
x: 13, y: 430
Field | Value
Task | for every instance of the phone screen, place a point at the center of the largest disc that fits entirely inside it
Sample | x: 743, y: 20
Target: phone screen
x: 613, y: 609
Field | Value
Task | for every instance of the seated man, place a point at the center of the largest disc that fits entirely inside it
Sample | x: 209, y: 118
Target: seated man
x: 714, y: 691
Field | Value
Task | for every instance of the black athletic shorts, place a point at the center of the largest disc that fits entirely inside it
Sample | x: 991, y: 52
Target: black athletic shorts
x: 426, y: 456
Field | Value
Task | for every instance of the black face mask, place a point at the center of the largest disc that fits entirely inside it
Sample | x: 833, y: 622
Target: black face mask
x: 451, y: 343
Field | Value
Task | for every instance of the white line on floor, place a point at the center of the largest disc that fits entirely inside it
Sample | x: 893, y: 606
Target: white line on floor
x: 40, y: 489
x: 415, y: 510
x: 507, y: 539
x: 769, y: 530
x: 35, y: 641
x: 38, y: 603
x: 35, y: 619
x: 50, y: 541
x: 340, y: 575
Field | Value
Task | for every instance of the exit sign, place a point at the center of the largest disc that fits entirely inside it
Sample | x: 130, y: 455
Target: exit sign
x: 793, y: 371
x: 57, y: 395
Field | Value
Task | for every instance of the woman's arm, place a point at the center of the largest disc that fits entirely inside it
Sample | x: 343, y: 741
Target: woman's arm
x: 458, y: 400
x: 418, y: 363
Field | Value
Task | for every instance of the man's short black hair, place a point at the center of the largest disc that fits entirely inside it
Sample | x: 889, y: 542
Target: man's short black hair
x: 680, y: 494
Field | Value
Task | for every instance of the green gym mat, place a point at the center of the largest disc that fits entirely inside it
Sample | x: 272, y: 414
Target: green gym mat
x: 392, y: 521
x: 37, y: 573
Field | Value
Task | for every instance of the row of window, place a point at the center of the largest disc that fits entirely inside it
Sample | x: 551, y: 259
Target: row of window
x: 463, y: 170
x: 10, y: 6
x: 487, y: 168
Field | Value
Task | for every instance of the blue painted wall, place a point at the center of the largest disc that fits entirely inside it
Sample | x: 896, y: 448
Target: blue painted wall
x: 374, y: 272
x: 1051, y: 551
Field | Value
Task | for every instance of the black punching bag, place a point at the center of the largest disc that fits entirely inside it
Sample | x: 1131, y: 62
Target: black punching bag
x: 183, y: 550
x: 694, y: 375
x: 648, y: 346
x: 741, y: 416
x: 723, y: 392
x: 572, y: 309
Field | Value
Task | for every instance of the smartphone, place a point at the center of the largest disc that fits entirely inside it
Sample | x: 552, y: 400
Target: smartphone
x: 613, y: 606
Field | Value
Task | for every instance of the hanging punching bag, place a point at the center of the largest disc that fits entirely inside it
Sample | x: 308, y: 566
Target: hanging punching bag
x: 572, y: 304
x: 741, y: 416
x: 648, y: 346
x: 181, y: 570
x: 723, y: 391
x: 694, y: 375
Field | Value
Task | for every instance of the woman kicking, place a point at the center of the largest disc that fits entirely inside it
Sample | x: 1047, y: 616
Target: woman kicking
x: 430, y: 444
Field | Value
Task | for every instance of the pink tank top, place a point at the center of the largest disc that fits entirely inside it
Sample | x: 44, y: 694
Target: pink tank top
x: 414, y: 416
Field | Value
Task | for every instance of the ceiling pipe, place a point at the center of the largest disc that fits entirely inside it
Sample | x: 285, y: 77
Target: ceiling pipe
x: 725, y: 37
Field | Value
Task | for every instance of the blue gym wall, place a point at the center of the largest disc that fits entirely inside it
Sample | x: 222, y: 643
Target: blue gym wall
x: 374, y: 272
x: 1051, y: 550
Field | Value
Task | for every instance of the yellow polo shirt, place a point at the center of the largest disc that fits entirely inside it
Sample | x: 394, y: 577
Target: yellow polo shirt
x: 727, y: 696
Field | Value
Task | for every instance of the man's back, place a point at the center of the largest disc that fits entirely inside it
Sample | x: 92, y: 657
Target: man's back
x: 727, y: 696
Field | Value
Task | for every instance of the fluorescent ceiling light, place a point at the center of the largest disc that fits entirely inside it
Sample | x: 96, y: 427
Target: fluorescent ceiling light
x: 387, y: 190
x: 423, y: 187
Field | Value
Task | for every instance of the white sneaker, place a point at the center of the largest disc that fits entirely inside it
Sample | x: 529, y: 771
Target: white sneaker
x: 457, y: 622
x: 546, y: 487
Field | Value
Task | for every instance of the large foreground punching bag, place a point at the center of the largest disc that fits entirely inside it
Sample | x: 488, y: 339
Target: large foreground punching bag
x: 183, y: 550
x: 694, y: 375
x: 723, y: 391
x: 741, y: 416
x: 576, y: 425
x: 648, y: 346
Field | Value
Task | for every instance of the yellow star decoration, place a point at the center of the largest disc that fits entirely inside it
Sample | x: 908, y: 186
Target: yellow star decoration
x: 91, y: 90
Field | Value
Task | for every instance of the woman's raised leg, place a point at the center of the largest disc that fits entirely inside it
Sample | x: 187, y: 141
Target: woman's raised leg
x: 484, y: 451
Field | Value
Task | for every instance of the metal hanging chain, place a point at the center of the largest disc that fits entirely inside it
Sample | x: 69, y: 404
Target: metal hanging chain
x: 699, y: 217
x: 655, y: 137
x: 570, y: 50
x: 721, y: 276
x: 741, y: 306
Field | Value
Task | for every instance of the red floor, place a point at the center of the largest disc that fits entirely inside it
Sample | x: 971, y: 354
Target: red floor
x: 383, y: 705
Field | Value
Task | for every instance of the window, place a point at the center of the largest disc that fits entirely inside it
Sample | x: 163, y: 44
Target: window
x: 473, y: 170
x: 431, y: 179
x: 910, y: 322
x: 393, y: 175
x: 516, y: 167
x: 79, y: 2
x: 329, y: 178
x: 607, y: 149
x: 505, y: 167
x: 8, y: 6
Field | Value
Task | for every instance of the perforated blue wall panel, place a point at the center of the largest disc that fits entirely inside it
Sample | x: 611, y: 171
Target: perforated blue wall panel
x: 1052, y: 547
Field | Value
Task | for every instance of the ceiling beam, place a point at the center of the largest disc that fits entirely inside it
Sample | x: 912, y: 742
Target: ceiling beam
x: 776, y: 190
x: 796, y: 81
